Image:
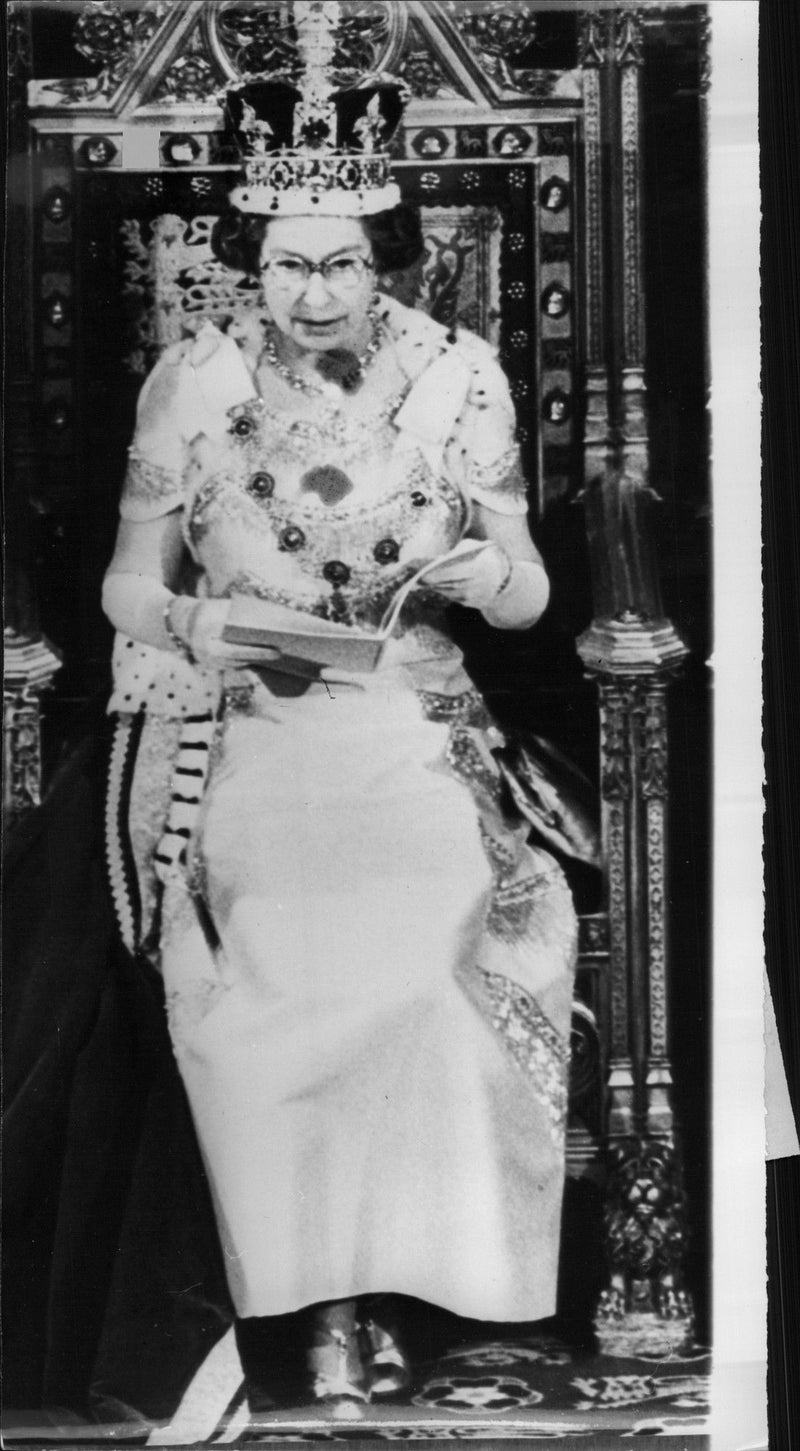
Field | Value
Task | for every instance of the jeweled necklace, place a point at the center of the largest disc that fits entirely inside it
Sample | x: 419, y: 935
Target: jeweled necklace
x: 337, y: 366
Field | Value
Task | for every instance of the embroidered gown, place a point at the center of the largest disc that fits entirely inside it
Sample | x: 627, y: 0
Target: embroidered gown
x: 368, y: 968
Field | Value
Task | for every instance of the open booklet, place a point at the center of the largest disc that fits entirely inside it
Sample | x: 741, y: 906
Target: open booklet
x: 300, y: 636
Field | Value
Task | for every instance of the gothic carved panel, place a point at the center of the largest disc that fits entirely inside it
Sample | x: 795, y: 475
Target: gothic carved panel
x: 249, y: 38
x: 496, y: 33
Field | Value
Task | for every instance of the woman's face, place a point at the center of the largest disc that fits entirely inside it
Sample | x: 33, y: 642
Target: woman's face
x: 316, y: 311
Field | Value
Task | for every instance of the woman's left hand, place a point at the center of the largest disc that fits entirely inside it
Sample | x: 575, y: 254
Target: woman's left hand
x: 475, y: 580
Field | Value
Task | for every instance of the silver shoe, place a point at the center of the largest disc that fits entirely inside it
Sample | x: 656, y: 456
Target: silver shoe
x: 388, y: 1369
x: 337, y: 1374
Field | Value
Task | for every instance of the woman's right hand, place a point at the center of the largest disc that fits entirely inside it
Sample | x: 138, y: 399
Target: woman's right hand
x: 200, y: 624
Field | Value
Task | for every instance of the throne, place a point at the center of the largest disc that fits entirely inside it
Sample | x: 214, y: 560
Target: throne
x: 523, y: 147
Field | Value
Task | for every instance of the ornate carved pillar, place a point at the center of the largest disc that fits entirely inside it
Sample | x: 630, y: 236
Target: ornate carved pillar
x: 631, y: 649
x: 592, y: 56
x: 30, y: 664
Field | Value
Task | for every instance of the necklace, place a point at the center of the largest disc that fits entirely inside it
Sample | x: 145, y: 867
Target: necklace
x: 338, y: 366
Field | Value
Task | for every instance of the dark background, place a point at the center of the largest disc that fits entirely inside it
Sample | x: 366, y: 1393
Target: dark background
x: 780, y: 199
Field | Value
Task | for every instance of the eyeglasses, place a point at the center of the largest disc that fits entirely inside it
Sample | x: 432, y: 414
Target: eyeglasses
x: 341, y: 273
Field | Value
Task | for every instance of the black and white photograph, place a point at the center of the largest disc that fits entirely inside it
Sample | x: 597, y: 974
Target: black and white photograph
x: 382, y: 899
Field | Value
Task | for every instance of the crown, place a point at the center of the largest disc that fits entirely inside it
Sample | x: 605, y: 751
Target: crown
x: 309, y: 147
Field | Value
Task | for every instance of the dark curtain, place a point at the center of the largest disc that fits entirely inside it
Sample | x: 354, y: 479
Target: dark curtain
x: 113, y: 1284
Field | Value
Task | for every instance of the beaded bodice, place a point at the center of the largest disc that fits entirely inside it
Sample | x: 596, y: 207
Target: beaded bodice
x: 313, y: 504
x: 323, y: 501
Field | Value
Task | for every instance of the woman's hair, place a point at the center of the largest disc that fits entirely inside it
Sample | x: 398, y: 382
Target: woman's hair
x: 395, y: 236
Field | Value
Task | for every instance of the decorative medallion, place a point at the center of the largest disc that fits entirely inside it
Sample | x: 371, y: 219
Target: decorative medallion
x: 97, y: 152
x: 57, y: 310
x: 554, y: 140
x: 471, y: 141
x: 555, y: 194
x: 557, y: 406
x: 430, y: 181
x: 181, y: 149
x: 512, y: 141
x: 555, y: 247
x: 58, y: 415
x: 430, y: 143
x: 555, y: 301
x: 56, y: 204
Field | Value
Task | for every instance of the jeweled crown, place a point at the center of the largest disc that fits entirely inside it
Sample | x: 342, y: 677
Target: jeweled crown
x: 310, y: 147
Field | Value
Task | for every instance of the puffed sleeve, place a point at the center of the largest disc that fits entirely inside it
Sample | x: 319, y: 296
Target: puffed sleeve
x: 188, y: 392
x: 483, y: 452
x: 157, y: 456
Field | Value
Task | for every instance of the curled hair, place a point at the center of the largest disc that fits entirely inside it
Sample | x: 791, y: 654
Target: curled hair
x: 237, y: 238
x: 395, y: 236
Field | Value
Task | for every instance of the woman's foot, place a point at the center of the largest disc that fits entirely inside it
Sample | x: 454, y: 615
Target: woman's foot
x: 388, y: 1369
x: 338, y: 1381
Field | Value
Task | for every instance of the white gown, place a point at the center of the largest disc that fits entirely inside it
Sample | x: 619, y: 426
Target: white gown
x: 368, y: 968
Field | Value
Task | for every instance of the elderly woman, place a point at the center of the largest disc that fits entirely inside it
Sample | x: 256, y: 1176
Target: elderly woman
x: 368, y: 967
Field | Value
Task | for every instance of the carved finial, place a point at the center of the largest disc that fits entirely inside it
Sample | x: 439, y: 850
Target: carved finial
x: 628, y: 38
x: 592, y: 50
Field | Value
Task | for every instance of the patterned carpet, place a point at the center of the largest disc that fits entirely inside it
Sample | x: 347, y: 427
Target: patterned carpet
x: 532, y: 1388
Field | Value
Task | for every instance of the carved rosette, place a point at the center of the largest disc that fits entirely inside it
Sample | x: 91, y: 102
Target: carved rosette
x: 422, y: 73
x: 645, y: 1309
x: 112, y: 37
x: 191, y: 77
x: 496, y: 32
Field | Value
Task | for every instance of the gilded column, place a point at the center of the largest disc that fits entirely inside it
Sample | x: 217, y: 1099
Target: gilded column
x: 631, y: 649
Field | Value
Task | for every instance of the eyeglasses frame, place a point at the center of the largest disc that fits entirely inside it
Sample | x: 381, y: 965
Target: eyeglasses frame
x: 368, y: 264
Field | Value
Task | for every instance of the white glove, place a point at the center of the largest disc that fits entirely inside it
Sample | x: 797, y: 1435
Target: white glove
x: 511, y: 594
x: 138, y: 605
x: 474, y: 580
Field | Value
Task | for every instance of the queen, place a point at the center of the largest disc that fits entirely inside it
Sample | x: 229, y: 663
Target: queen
x: 368, y: 966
